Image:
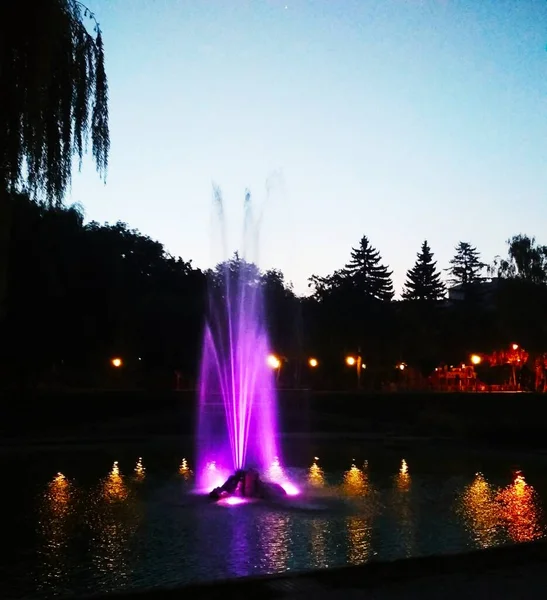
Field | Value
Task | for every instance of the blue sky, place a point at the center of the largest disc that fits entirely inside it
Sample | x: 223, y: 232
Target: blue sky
x: 397, y: 119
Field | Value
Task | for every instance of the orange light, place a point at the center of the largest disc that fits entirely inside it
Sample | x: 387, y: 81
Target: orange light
x: 313, y: 362
x: 350, y: 361
x: 515, y: 346
x: 116, y: 362
x: 476, y: 359
x: 401, y: 366
x: 273, y: 362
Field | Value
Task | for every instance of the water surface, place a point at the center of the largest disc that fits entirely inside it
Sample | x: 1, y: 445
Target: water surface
x: 80, y: 523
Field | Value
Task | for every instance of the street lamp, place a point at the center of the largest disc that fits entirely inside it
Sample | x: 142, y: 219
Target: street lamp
x: 116, y: 362
x: 401, y: 366
x: 273, y: 362
x: 476, y: 359
x: 313, y: 362
x: 356, y: 362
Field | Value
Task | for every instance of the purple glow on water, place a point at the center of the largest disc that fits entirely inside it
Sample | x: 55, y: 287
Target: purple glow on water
x: 237, y: 425
x: 233, y: 501
x: 290, y: 488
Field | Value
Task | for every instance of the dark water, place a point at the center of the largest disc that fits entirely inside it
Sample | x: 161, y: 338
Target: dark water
x: 94, y: 529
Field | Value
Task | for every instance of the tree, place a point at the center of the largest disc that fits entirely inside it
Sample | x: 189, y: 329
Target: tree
x: 366, y: 273
x: 526, y: 260
x: 325, y: 286
x: 53, y: 100
x: 466, y: 266
x: 424, y: 279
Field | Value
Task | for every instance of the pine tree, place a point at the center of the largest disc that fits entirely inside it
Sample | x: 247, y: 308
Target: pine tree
x: 466, y: 266
x: 367, y: 274
x: 423, y: 281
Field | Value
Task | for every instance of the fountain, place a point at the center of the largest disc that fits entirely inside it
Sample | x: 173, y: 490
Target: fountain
x: 237, y: 425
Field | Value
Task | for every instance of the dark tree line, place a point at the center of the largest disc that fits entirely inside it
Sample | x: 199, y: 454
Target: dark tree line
x: 54, y: 101
x: 73, y: 294
x: 79, y: 294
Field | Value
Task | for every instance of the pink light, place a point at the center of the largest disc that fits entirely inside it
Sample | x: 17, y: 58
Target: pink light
x: 232, y: 501
x: 290, y: 488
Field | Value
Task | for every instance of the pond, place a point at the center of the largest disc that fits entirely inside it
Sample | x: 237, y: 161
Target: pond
x: 99, y: 520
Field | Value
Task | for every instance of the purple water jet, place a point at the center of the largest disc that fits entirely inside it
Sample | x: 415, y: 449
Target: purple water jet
x: 237, y: 417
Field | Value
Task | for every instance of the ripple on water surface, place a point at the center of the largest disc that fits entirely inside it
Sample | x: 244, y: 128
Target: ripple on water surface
x: 138, y: 527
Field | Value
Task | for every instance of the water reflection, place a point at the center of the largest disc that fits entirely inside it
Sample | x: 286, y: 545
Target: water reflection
x: 55, y: 525
x: 403, y: 480
x: 274, y: 542
x: 359, y: 527
x: 238, y: 554
x: 520, y: 510
x: 319, y: 536
x: 480, y: 511
x: 316, y: 477
x: 113, y: 518
x: 403, y: 508
x: 90, y: 537
x: 359, y: 539
x: 489, y: 511
x: 185, y: 470
x: 113, y: 487
x: 140, y: 471
x: 355, y: 482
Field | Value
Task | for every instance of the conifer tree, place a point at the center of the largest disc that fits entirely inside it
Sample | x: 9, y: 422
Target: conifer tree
x: 367, y: 274
x: 423, y: 281
x: 466, y: 266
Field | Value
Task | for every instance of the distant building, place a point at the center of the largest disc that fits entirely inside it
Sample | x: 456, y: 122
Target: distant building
x: 483, y: 291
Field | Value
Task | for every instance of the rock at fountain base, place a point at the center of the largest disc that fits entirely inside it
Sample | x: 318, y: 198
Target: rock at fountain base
x: 246, y: 483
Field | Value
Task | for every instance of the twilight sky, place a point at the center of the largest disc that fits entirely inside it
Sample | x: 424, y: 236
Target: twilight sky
x: 402, y: 120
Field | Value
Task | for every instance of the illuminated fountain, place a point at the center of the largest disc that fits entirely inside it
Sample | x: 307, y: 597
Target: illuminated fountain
x: 237, y: 426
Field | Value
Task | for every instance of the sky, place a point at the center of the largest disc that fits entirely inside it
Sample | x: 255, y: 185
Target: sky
x: 401, y: 120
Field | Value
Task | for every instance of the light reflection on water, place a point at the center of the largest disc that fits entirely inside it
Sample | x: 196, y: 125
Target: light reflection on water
x: 403, y: 506
x: 493, y: 514
x: 275, y: 542
x: 55, y: 527
x: 94, y: 538
x: 316, y: 477
x: 355, y: 482
x: 113, y: 516
x: 185, y: 470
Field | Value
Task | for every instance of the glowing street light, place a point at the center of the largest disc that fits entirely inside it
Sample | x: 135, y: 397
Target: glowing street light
x: 401, y: 366
x: 515, y: 346
x: 476, y: 359
x: 116, y: 362
x: 273, y: 362
x: 313, y: 362
x: 357, y: 362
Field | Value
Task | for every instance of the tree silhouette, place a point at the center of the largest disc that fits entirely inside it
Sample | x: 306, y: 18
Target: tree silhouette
x: 424, y: 279
x: 54, y: 99
x: 466, y: 266
x: 366, y: 273
x: 82, y: 293
x: 526, y: 260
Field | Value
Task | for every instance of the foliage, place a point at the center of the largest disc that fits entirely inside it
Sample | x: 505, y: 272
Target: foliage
x: 466, y: 266
x: 81, y: 293
x: 526, y: 260
x: 54, y: 94
x: 424, y: 279
x: 367, y: 274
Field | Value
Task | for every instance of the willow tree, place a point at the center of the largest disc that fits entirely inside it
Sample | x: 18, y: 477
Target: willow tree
x: 53, y: 102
